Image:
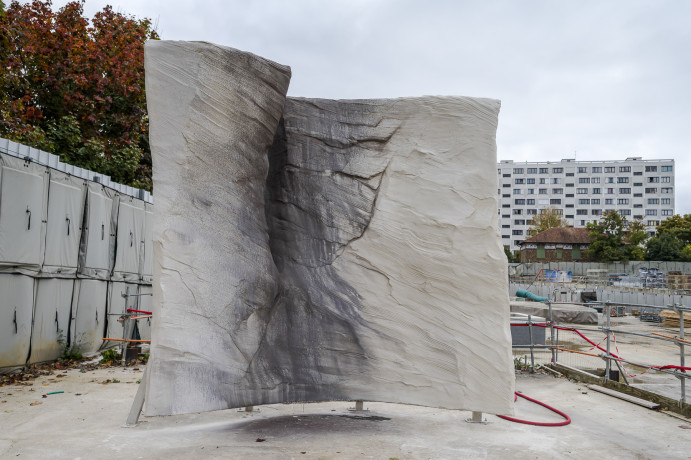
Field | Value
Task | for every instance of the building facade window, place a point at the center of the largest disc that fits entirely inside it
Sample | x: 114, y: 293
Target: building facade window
x: 623, y: 201
x: 666, y: 201
x: 557, y: 191
x: 530, y: 201
x: 595, y: 201
x: 557, y: 170
x: 651, y: 169
x: 532, y: 170
x: 518, y: 170
x: 622, y: 180
x: 531, y: 212
x: 651, y: 212
x: 666, y: 168
x: 624, y: 168
x: 530, y: 180
x: 582, y: 170
x: 594, y: 180
x: 517, y: 191
x: 610, y: 191
x: 667, y: 212
x: 666, y: 179
x: 596, y: 191
x: 624, y: 191
x: 653, y: 201
x: 609, y: 169
x: 653, y: 180
x: 582, y: 191
x: 555, y: 201
x: 596, y: 169
x: 666, y: 190
x: 651, y: 190
x: 596, y: 212
x: 519, y: 201
x: 542, y: 191
x: 581, y: 212
x: 584, y: 180
x: 584, y: 201
x: 544, y: 170
x: 519, y: 181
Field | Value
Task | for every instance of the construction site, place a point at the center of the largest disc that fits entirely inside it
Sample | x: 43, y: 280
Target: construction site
x: 599, y: 354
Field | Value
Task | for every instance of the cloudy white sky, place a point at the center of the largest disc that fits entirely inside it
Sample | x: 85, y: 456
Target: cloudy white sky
x: 594, y: 79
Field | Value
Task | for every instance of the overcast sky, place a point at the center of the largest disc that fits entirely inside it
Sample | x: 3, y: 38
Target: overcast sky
x: 590, y: 79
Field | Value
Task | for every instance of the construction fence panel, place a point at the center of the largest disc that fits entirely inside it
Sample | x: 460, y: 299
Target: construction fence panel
x: 89, y: 315
x: 49, y: 334
x: 130, y: 229
x: 96, y: 252
x: 66, y: 201
x: 16, y: 306
x: 23, y: 208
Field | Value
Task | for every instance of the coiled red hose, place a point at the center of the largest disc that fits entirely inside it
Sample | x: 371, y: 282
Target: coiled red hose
x: 528, y: 422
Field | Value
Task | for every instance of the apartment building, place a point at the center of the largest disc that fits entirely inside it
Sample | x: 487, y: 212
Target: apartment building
x: 581, y: 191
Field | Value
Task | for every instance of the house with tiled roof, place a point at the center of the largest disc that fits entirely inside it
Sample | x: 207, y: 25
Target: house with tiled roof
x: 556, y: 244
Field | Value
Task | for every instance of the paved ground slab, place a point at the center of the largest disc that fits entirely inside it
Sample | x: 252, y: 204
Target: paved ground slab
x: 85, y: 422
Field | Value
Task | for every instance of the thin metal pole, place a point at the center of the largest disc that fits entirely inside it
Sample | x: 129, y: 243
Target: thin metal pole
x: 608, y: 364
x: 551, y: 332
x: 682, y: 360
x: 125, y: 329
x: 532, y: 349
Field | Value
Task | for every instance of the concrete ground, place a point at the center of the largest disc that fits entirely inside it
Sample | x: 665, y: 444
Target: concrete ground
x: 86, y: 422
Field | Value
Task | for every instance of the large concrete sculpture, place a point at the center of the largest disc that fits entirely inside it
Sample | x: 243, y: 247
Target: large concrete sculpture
x: 310, y: 249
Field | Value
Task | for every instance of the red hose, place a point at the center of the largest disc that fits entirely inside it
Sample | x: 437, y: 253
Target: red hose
x: 132, y: 310
x: 528, y: 422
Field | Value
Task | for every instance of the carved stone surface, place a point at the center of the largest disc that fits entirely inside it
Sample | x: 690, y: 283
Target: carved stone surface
x: 348, y: 252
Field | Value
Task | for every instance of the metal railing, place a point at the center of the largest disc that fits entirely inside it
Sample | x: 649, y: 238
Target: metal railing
x: 679, y: 371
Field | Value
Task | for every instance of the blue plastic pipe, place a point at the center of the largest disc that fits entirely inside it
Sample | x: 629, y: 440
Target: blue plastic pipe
x: 529, y: 295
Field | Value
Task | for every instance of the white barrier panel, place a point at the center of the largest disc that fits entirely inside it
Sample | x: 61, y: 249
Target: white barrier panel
x: 16, y: 304
x: 51, y: 318
x: 98, y: 236
x: 23, y: 197
x: 89, y: 314
x: 66, y: 196
x: 147, y: 264
x: 129, y: 239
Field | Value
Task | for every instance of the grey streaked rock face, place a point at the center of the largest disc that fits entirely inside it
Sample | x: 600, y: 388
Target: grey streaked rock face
x: 348, y: 251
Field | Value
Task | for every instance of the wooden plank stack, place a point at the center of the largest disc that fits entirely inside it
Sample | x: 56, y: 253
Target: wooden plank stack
x: 671, y: 319
x: 678, y: 282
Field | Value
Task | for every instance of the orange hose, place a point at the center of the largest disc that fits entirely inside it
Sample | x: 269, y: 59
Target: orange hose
x: 670, y: 337
x: 575, y: 351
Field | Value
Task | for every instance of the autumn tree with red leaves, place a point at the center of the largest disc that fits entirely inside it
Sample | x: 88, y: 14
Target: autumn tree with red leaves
x: 75, y: 87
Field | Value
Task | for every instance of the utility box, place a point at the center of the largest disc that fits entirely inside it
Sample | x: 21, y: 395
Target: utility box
x: 520, y: 331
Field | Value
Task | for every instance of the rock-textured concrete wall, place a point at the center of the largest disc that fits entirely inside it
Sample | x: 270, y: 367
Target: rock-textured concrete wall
x: 346, y: 251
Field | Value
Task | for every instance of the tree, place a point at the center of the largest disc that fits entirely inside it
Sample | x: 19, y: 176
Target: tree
x: 664, y: 247
x: 678, y: 226
x: 671, y: 239
x: 614, y: 239
x: 75, y: 87
x: 548, y: 218
x: 512, y: 257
